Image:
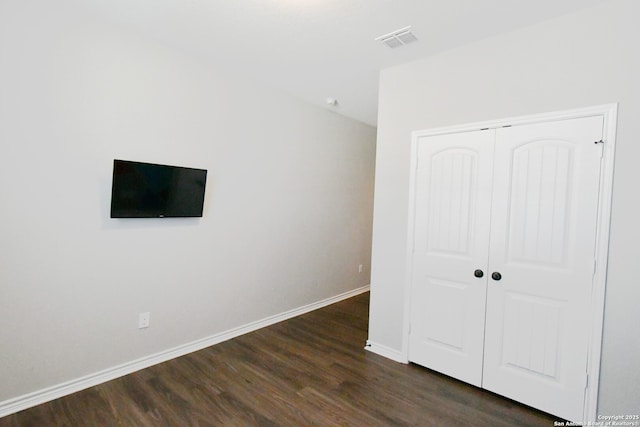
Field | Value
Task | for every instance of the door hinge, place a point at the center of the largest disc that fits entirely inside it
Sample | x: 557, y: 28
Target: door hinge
x: 601, y: 144
x: 586, y: 382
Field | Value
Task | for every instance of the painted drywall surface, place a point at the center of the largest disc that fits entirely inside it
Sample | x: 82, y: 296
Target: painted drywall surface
x: 287, y: 217
x: 579, y: 60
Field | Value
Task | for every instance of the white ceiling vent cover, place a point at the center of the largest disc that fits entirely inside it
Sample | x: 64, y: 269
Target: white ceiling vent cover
x: 398, y: 38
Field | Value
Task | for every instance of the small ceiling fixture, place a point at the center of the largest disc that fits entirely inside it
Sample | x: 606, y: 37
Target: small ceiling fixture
x: 332, y: 102
x: 398, y: 38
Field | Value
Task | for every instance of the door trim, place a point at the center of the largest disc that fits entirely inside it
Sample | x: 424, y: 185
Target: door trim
x: 609, y: 113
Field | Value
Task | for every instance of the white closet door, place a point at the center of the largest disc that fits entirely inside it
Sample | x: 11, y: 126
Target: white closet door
x: 451, y: 235
x: 543, y: 230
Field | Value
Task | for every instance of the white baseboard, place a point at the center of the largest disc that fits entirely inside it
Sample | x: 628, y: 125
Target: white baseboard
x: 29, y: 400
x: 387, y: 352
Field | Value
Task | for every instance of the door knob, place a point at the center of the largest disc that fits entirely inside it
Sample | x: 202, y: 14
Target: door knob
x: 496, y: 276
x: 478, y: 273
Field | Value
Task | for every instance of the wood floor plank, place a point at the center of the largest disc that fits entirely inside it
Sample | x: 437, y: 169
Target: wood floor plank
x: 308, y: 371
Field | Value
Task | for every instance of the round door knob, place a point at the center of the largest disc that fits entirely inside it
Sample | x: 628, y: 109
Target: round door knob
x: 478, y: 273
x: 496, y: 276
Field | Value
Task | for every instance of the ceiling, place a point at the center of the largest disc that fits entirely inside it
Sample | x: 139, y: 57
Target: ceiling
x: 315, y: 49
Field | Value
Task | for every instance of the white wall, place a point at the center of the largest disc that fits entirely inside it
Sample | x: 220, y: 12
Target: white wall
x: 287, y: 215
x: 579, y: 60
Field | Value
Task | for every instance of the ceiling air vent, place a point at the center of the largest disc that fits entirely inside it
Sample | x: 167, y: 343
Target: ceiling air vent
x: 398, y: 38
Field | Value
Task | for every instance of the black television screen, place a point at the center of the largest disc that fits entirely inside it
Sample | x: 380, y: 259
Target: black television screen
x: 147, y: 190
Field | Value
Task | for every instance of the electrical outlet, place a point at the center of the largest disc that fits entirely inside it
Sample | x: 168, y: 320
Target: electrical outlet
x: 360, y: 268
x: 143, y: 320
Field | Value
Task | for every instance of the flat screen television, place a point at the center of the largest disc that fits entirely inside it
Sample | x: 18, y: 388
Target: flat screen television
x: 147, y: 190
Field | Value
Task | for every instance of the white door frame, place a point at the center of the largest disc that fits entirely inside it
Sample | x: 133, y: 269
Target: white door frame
x: 609, y: 112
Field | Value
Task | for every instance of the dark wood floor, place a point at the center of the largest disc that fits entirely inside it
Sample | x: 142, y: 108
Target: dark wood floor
x: 311, y: 370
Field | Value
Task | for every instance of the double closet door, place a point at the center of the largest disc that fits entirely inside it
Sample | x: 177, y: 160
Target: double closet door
x: 503, y: 257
